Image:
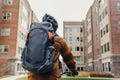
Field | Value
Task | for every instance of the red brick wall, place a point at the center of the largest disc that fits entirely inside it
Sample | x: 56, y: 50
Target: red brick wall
x: 85, y: 43
x: 96, y: 31
x: 0, y: 8
x: 13, y: 25
x: 115, y: 31
x: 115, y: 65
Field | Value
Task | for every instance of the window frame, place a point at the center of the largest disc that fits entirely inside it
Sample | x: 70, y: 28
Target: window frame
x: 5, y: 31
x: 8, y: 2
x: 2, y: 48
x: 118, y: 6
x: 6, y: 16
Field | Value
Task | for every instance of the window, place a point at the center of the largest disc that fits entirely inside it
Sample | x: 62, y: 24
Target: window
x: 106, y: 11
x: 8, y: 2
x: 106, y: 66
x: 106, y: 28
x: 66, y: 29
x: 71, y: 48
x: 22, y: 36
x: 118, y: 6
x: 20, y: 50
x: 75, y: 29
x: 100, y: 18
x: 109, y: 66
x: 7, y: 16
x: 89, y: 20
x: 77, y: 58
x: 18, y: 67
x: 81, y: 68
x: 5, y: 31
x: 89, y: 43
x: 77, y: 38
x: 103, y: 15
x: 96, y: 10
x: 78, y: 68
x: 104, y: 31
x: 89, y: 31
x: 24, y: 9
x: 78, y: 48
x: 101, y: 2
x: 81, y: 30
x: 105, y: 48
x: 4, y: 48
x: 103, y: 66
x: 119, y: 24
x: 70, y: 38
x: 102, y: 49
x: 101, y: 33
x: 81, y: 48
x: 108, y: 46
x: 81, y: 39
x: 89, y: 55
x: 70, y: 29
x: 81, y: 58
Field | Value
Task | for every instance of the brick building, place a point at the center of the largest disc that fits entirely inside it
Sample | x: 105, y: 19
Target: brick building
x: 89, y: 40
x: 101, y: 37
x: 96, y: 36
x: 105, y: 31
x: 15, y: 19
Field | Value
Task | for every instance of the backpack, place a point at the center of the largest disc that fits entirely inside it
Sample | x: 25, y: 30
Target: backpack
x: 39, y: 51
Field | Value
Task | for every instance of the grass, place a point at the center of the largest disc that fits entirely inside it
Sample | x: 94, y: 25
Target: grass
x: 25, y: 78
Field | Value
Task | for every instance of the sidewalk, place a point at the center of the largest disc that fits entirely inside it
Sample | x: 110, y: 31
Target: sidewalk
x: 12, y: 77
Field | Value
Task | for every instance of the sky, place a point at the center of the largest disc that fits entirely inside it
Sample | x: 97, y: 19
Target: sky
x: 62, y: 10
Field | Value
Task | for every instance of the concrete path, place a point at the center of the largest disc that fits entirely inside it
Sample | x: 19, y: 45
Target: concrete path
x: 12, y: 77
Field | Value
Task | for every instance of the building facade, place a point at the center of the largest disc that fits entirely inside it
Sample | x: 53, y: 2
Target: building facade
x: 89, y: 40
x: 101, y: 37
x: 96, y: 36
x: 15, y: 19
x: 105, y: 31
x: 73, y: 34
x: 109, y: 13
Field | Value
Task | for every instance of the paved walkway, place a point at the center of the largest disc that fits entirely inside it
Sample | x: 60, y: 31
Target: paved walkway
x: 12, y: 77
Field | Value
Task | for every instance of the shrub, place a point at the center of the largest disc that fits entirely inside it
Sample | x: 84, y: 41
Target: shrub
x: 100, y: 74
x: 84, y: 74
x: 95, y: 74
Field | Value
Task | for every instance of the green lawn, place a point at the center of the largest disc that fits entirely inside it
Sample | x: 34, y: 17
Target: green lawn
x: 24, y: 78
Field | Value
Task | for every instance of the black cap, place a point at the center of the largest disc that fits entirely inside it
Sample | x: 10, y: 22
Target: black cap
x: 52, y: 20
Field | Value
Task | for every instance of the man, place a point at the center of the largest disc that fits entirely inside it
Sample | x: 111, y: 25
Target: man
x: 61, y: 49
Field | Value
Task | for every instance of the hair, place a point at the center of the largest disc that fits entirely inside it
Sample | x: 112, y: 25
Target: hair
x: 52, y: 20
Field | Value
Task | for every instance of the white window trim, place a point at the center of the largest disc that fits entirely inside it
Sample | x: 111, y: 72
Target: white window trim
x: 118, y: 24
x: 8, y: 2
x: 5, y: 31
x: 6, y: 16
x: 118, y: 6
x: 2, y: 47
